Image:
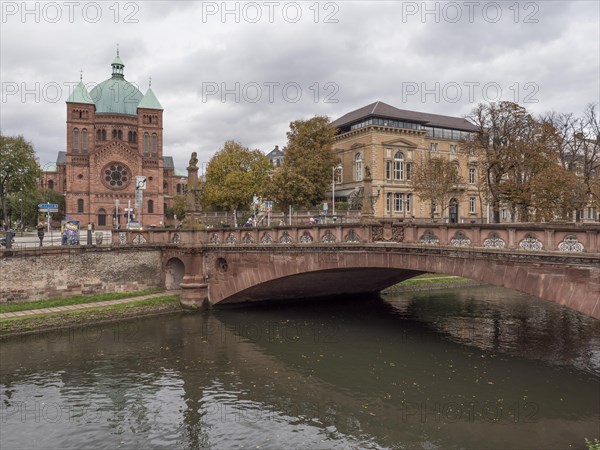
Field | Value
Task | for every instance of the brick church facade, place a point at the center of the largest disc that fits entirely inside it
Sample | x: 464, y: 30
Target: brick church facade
x: 114, y: 134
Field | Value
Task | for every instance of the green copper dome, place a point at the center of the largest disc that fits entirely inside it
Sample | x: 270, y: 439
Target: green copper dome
x: 116, y: 95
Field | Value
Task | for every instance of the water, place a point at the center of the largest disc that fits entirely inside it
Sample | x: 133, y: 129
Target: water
x: 477, y: 368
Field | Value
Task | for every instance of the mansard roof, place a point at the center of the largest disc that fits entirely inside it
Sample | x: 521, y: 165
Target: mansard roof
x: 381, y: 109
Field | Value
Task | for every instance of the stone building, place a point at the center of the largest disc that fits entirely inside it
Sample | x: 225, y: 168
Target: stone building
x: 389, y: 141
x: 114, y: 134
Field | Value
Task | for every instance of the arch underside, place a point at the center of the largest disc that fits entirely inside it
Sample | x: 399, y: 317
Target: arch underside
x: 323, y: 283
x: 260, y: 276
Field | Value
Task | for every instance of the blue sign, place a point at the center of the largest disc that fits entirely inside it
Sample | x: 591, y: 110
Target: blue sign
x: 48, y: 206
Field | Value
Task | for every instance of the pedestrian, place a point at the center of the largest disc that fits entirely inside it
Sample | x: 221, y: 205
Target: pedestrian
x: 90, y: 228
x: 40, y: 232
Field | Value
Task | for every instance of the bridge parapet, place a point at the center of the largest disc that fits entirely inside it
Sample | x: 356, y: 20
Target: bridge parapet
x: 566, y: 239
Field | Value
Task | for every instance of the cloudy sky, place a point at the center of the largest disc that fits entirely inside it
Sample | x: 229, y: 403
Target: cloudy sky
x: 244, y: 70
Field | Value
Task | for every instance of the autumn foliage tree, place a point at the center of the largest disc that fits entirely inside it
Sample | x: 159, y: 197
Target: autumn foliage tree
x: 289, y: 188
x: 234, y: 175
x: 309, y: 154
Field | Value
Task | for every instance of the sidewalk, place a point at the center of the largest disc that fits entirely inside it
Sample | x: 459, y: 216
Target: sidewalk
x: 58, y: 309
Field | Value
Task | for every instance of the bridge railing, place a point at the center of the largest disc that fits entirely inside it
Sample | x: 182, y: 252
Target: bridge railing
x: 516, y: 237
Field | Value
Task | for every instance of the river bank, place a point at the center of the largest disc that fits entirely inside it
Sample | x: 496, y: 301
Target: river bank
x: 71, y: 320
x: 161, y: 305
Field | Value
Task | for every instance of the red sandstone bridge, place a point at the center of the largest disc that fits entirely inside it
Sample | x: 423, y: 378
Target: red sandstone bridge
x: 559, y: 263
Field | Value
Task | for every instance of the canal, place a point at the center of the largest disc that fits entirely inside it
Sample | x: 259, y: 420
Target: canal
x: 471, y: 368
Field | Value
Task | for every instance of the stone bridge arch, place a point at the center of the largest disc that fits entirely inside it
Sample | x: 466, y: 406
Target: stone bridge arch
x: 229, y: 275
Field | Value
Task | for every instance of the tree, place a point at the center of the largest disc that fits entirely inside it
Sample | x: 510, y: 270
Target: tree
x: 436, y: 180
x: 309, y: 154
x: 503, y: 131
x: 289, y: 188
x: 234, y: 175
x: 578, y: 149
x: 18, y: 169
x: 554, y: 191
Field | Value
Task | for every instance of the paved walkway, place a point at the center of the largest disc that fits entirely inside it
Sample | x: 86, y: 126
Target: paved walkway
x: 58, y: 309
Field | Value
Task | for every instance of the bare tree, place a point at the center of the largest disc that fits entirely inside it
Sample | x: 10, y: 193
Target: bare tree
x: 436, y: 180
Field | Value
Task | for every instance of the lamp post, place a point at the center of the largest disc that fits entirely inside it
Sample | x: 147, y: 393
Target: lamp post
x: 334, y: 170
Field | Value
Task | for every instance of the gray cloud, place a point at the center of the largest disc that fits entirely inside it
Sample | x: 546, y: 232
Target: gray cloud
x: 373, y: 52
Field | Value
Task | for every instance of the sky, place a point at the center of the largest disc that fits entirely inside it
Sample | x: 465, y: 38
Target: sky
x: 245, y: 70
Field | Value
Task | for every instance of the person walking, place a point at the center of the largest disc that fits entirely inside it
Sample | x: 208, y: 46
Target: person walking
x: 40, y: 232
x: 90, y: 228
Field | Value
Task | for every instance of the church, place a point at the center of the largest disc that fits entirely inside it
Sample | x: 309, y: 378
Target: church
x: 114, y: 137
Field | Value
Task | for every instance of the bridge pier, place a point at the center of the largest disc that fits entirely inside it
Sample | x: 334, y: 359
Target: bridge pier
x: 194, y: 292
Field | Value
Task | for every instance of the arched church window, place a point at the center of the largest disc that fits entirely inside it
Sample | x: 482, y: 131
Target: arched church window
x: 134, y: 137
x: 75, y: 140
x: 84, y: 140
x: 146, y: 143
x: 103, y: 135
x: 114, y: 134
x: 99, y: 135
x: 154, y: 142
x: 120, y: 135
x: 130, y: 137
x: 50, y: 185
x: 80, y: 205
x: 101, y: 217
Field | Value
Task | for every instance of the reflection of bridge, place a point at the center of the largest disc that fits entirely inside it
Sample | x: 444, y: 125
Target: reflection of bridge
x: 556, y: 263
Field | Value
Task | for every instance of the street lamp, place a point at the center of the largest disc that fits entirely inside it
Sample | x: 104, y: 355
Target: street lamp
x: 334, y: 170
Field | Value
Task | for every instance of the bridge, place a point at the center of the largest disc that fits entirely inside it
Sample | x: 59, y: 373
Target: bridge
x: 559, y: 263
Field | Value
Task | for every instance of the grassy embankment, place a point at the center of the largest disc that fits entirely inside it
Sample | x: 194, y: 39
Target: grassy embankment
x: 136, y: 308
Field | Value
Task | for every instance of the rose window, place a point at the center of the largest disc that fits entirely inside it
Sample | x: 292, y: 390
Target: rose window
x: 116, y: 175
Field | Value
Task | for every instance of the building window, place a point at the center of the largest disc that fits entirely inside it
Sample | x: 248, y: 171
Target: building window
x: 76, y: 140
x: 359, y: 167
x: 388, y: 202
x: 130, y: 136
x: 388, y: 170
x: 398, y: 202
x: 398, y: 166
x: 433, y: 147
x: 179, y: 188
x: 134, y: 137
x: 80, y: 205
x: 504, y: 214
x: 408, y: 202
x: 150, y: 206
x: 409, y: 171
x: 146, y: 143
x: 120, y: 135
x: 50, y: 185
x: 114, y: 134
x: 453, y: 148
x: 154, y: 142
x: 472, y: 205
x: 98, y: 135
x: 84, y: 140
x: 103, y: 135
x: 472, y: 175
x: 101, y: 217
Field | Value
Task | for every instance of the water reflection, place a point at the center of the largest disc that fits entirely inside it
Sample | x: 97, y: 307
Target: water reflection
x: 471, y: 368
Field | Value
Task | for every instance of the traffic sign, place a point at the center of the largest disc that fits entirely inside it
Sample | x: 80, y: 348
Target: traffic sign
x: 48, y: 206
x: 140, y: 182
